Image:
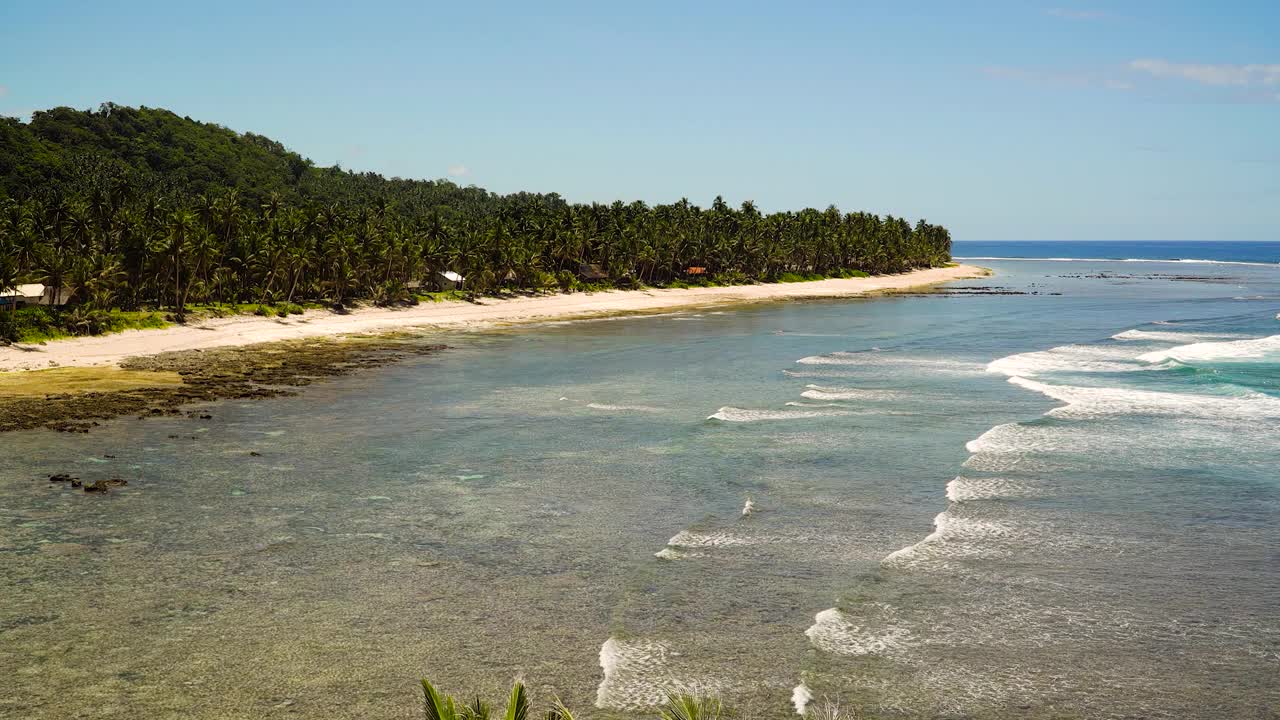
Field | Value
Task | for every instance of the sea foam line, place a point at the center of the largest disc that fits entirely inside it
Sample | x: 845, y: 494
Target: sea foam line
x: 1173, y: 337
x: 742, y: 415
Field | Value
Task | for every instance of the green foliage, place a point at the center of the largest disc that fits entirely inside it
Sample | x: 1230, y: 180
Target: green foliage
x: 686, y: 706
x: 138, y: 207
x: 439, y: 706
x: 41, y: 323
x: 795, y: 277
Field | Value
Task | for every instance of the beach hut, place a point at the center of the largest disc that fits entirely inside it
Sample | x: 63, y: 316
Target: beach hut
x: 592, y: 272
x: 448, y: 280
x: 32, y: 294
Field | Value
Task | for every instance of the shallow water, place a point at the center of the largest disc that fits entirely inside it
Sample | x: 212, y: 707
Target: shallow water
x: 1098, y: 538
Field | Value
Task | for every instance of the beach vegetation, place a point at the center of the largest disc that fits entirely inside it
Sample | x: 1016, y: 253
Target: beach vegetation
x: 141, y: 210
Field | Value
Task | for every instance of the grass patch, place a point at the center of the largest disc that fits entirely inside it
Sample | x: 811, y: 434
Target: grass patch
x: 792, y: 277
x: 41, y: 324
x: 441, y: 296
x: 80, y: 380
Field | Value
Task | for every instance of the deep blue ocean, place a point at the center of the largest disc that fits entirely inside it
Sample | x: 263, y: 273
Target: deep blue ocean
x: 1259, y: 252
x: 1053, y: 492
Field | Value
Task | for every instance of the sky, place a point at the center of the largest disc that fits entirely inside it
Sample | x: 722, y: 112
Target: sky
x: 1003, y: 120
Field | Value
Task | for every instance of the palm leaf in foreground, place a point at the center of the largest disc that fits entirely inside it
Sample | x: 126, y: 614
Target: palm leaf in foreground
x: 683, y: 706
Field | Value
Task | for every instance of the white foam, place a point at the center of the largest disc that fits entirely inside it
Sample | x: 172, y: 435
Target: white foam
x: 888, y: 359
x: 1069, y: 358
x: 625, y: 408
x: 1238, y: 350
x: 820, y: 392
x: 801, y: 696
x: 794, y: 403
x: 670, y: 553
x: 740, y: 415
x: 719, y: 538
x: 1171, y: 337
x: 1093, y: 402
x: 634, y: 674
x: 748, y: 507
x: 1020, y: 438
x: 965, y: 489
x: 832, y: 631
x: 952, y: 537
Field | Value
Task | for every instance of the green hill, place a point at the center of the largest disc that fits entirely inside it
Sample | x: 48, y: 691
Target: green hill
x: 73, y: 151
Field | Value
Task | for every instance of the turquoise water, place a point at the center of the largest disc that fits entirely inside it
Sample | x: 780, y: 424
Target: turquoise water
x: 1039, y: 505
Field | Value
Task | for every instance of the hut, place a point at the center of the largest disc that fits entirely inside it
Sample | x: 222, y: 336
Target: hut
x: 591, y: 272
x: 33, y: 294
x: 447, y: 280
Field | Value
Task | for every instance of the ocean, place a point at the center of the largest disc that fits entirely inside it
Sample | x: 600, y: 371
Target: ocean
x: 1051, y: 493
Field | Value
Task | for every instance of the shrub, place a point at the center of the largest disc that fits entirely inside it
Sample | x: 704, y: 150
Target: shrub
x: 567, y: 281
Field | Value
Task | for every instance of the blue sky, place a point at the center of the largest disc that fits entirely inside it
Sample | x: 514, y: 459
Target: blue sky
x: 1000, y: 120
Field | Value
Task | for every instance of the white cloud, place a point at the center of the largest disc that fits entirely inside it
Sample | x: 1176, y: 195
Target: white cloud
x: 1070, y: 14
x: 458, y: 170
x: 1218, y: 75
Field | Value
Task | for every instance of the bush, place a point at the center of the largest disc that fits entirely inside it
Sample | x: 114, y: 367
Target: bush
x: 8, y: 327
x: 567, y: 281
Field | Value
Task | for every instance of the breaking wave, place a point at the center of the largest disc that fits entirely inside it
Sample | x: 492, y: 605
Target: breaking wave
x: 1171, y: 337
x: 882, y: 359
x: 1253, y: 349
x: 952, y: 538
x: 1093, y: 402
x: 965, y: 489
x: 625, y: 408
x: 1069, y: 358
x: 638, y: 673
x: 819, y: 392
x: 834, y: 632
x: 743, y: 415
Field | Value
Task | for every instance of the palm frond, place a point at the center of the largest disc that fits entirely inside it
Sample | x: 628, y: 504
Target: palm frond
x: 558, y: 711
x: 477, y: 710
x: 686, y: 706
x: 518, y: 704
x: 436, y: 705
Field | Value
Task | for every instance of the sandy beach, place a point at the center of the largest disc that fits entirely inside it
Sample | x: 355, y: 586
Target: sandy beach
x: 247, y: 330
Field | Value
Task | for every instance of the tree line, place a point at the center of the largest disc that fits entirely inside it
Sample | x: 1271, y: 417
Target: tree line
x: 131, y: 208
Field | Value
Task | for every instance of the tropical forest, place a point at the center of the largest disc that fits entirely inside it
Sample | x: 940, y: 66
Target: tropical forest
x: 140, y: 217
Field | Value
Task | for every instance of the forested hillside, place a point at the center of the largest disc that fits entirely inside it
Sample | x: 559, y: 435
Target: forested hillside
x: 139, y: 207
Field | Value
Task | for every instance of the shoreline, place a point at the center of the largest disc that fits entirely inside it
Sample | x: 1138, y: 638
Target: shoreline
x: 111, y: 350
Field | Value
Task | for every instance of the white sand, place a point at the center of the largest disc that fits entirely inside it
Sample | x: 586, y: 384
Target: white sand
x: 249, y: 329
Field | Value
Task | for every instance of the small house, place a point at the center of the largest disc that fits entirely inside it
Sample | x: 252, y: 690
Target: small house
x: 447, y: 280
x: 32, y: 294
